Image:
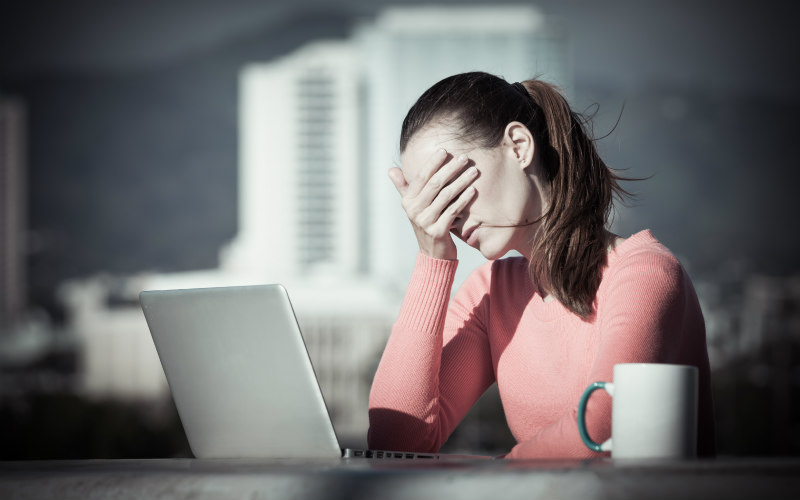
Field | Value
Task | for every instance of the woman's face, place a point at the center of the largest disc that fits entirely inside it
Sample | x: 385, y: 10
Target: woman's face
x: 506, y: 191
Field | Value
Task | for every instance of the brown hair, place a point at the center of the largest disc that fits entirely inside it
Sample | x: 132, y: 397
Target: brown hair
x: 569, y: 254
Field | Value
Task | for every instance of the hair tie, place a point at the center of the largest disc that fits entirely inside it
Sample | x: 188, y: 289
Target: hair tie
x: 521, y: 89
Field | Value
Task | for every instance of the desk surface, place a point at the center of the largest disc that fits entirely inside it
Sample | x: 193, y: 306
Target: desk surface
x: 376, y: 479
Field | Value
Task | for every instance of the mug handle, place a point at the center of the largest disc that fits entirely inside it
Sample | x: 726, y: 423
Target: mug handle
x: 609, y: 388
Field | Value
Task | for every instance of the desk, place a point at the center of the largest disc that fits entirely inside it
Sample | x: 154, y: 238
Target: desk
x: 359, y: 478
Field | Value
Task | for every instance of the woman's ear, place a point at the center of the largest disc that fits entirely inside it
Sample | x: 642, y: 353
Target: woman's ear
x: 520, y: 143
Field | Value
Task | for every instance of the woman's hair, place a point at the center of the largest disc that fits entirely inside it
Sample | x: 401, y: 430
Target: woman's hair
x: 570, y: 250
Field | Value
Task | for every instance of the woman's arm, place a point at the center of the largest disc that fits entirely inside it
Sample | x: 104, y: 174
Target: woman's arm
x: 645, y: 315
x: 436, y: 363
x: 412, y: 404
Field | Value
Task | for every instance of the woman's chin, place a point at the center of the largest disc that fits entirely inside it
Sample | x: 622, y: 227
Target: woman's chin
x: 494, y: 244
x: 491, y: 252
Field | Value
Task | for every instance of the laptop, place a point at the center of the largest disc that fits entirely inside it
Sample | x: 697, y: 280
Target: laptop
x: 241, y: 377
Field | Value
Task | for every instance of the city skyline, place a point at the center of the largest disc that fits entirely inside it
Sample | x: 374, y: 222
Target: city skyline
x: 134, y: 170
x: 134, y: 183
x: 286, y: 96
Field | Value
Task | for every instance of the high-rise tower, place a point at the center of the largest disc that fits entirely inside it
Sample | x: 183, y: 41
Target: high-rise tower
x: 298, y: 182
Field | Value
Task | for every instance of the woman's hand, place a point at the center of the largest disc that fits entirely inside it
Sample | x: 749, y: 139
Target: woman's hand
x: 434, y: 198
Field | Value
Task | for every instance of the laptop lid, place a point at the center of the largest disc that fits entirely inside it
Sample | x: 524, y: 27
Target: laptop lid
x: 239, y: 372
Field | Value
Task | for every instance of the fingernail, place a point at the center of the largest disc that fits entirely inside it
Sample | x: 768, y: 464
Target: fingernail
x: 462, y: 158
x: 441, y: 153
x: 472, y: 170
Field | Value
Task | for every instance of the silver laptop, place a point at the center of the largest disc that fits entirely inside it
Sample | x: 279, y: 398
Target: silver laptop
x: 240, y: 375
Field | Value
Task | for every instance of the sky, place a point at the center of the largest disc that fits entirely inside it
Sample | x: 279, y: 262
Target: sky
x: 731, y: 46
x: 120, y: 91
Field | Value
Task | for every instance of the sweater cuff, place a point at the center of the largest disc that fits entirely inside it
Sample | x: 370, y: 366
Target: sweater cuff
x: 425, y: 304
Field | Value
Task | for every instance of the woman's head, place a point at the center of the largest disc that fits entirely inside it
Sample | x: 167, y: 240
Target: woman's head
x: 562, y: 178
x: 508, y: 199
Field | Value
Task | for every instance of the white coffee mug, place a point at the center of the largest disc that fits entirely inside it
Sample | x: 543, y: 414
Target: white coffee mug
x: 653, y: 414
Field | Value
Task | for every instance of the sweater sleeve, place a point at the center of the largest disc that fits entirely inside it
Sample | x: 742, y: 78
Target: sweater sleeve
x: 644, y: 313
x: 436, y: 363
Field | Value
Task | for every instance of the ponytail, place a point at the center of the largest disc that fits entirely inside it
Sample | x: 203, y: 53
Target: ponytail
x: 570, y: 250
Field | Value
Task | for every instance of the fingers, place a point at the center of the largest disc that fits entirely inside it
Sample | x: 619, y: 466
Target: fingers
x: 438, y: 215
x: 428, y: 171
x: 452, y: 211
x: 450, y: 202
x: 448, y: 181
x: 399, y: 180
x: 448, y: 194
x: 436, y: 195
x: 439, y: 158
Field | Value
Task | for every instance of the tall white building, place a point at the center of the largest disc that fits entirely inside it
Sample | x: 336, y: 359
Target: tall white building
x: 298, y: 176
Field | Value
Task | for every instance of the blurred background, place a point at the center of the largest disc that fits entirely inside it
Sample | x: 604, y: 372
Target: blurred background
x: 178, y: 144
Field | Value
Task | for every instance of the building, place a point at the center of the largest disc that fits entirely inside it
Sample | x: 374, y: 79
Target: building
x: 299, y: 193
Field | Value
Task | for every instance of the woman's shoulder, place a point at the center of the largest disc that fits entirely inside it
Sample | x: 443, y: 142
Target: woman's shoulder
x: 645, y: 280
x: 643, y: 261
x: 642, y: 249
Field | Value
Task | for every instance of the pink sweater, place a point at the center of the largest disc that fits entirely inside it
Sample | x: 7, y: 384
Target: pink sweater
x: 443, y: 354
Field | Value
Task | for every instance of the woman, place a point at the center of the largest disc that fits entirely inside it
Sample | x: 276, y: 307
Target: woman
x: 510, y: 167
